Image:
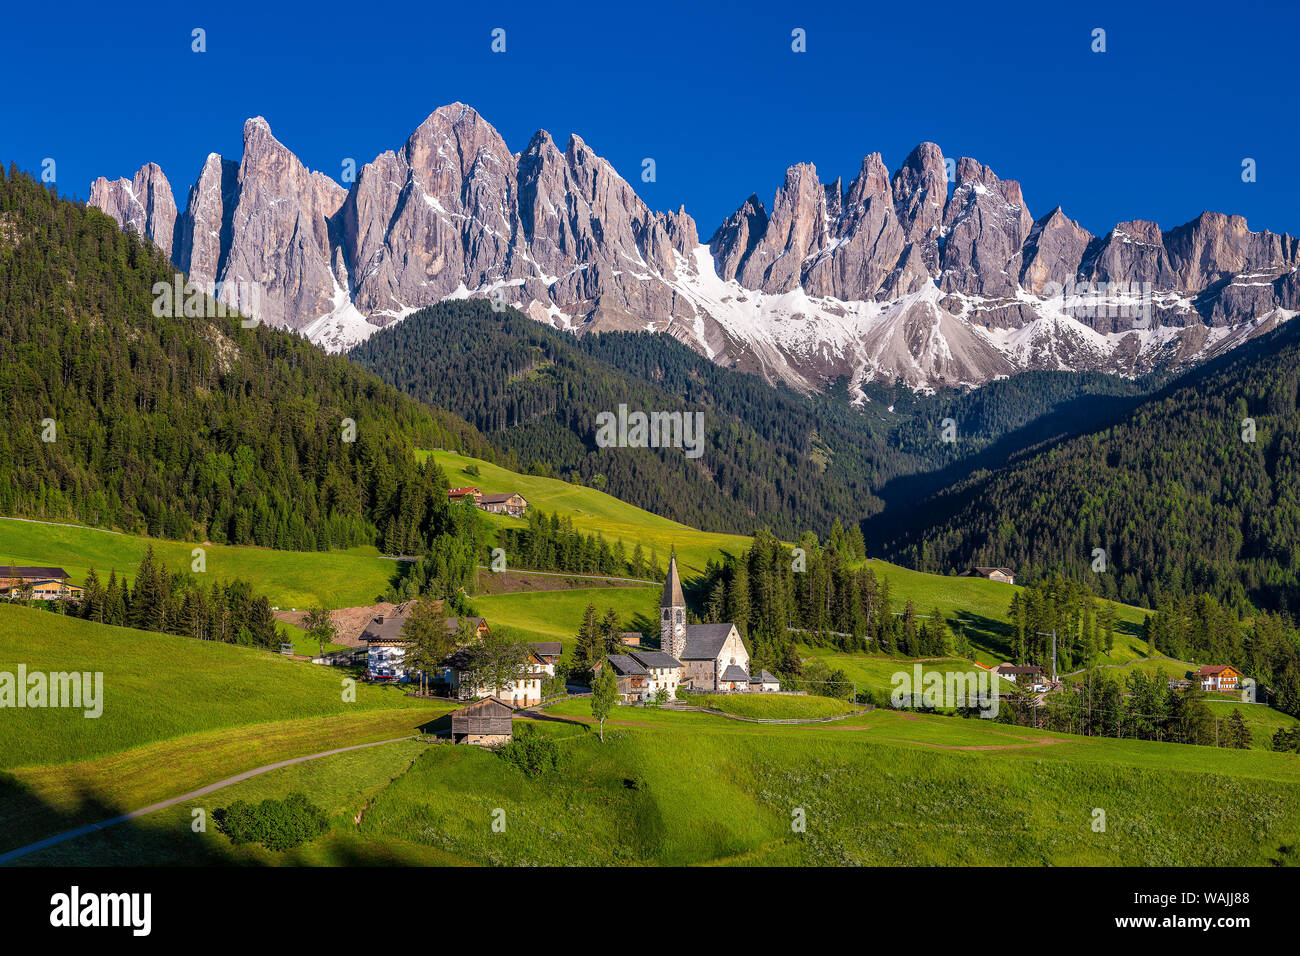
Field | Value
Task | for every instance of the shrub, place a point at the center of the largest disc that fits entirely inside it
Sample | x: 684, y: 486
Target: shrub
x: 532, y: 752
x: 276, y: 825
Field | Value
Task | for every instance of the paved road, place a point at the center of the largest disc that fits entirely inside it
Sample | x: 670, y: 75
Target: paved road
x: 202, y: 791
x: 562, y: 574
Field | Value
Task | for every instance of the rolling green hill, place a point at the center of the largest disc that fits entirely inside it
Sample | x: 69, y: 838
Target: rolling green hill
x: 289, y: 579
x: 156, y: 687
x: 592, y: 510
x: 555, y: 615
x: 687, y: 788
x: 975, y: 605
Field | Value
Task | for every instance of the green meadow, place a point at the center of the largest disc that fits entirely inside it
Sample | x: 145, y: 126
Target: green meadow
x: 884, y: 789
x: 289, y: 579
x: 341, y: 784
x: 593, y: 510
x: 1262, y: 720
x: 875, y: 671
x: 695, y: 789
x: 688, y: 788
x: 556, y: 615
x: 771, y: 706
x: 157, y: 686
x: 978, y: 608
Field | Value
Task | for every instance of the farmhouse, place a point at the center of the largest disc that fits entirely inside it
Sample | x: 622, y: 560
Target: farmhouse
x: 764, y: 683
x: 45, y: 584
x: 1219, y: 677
x: 632, y: 676
x: 1005, y: 575
x: 460, y: 494
x: 486, y: 723
x: 630, y: 638
x: 511, y: 504
x: 1029, y: 676
x: 713, y: 656
x: 386, y: 647
x: 642, y: 674
x: 548, y: 652
x: 524, y: 691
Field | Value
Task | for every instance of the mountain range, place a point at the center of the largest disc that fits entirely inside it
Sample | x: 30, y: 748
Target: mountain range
x: 936, y: 274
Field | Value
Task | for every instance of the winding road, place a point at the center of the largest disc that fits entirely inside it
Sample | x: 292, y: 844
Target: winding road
x: 12, y: 855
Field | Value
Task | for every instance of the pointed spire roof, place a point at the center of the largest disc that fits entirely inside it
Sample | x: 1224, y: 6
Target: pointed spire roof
x: 673, y: 585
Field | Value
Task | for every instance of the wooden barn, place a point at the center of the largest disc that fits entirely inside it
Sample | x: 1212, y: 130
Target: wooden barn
x: 1005, y: 575
x: 486, y: 723
x: 512, y: 504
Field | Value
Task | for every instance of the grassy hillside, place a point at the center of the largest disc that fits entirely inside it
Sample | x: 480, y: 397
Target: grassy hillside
x: 555, y: 615
x: 976, y: 606
x: 1262, y: 720
x: 687, y: 788
x: 289, y: 579
x: 340, y: 784
x: 874, y: 671
x: 593, y: 510
x: 772, y: 706
x: 156, y: 687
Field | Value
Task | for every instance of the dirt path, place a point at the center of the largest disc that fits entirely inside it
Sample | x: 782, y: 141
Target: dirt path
x: 350, y: 621
x: 519, y: 578
x: 164, y: 804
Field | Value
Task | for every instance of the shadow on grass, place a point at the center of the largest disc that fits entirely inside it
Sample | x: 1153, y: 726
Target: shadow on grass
x: 88, y: 830
x: 26, y: 819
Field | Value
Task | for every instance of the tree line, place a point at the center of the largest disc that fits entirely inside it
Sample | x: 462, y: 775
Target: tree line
x: 1141, y: 707
x: 174, y: 602
x: 822, y: 594
x: 1193, y: 492
x: 550, y: 542
x: 189, y: 428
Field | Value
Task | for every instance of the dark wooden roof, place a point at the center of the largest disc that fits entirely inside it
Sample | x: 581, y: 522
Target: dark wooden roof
x: 627, y: 666
x: 388, y: 630
x: 22, y: 571
x: 548, y: 648
x: 655, y: 659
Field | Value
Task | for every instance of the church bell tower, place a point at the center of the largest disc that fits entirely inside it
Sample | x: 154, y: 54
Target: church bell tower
x: 672, y: 613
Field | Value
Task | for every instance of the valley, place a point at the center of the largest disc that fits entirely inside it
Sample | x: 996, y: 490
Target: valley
x: 562, y: 650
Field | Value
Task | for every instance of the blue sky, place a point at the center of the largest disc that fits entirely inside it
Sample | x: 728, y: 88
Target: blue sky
x: 1156, y: 127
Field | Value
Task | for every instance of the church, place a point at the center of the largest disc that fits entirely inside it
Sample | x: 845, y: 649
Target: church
x: 713, y: 656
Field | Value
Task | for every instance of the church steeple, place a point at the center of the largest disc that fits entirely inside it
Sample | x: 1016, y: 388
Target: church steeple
x: 672, y: 612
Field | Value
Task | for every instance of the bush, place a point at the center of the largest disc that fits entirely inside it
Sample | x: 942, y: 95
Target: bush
x: 532, y: 752
x: 276, y: 825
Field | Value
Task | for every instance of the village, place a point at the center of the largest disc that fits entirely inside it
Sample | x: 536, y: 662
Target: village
x: 672, y: 668
x: 690, y: 658
x: 683, y: 659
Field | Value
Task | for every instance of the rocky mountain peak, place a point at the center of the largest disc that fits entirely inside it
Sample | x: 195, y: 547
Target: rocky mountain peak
x: 143, y: 204
x: 898, y: 275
